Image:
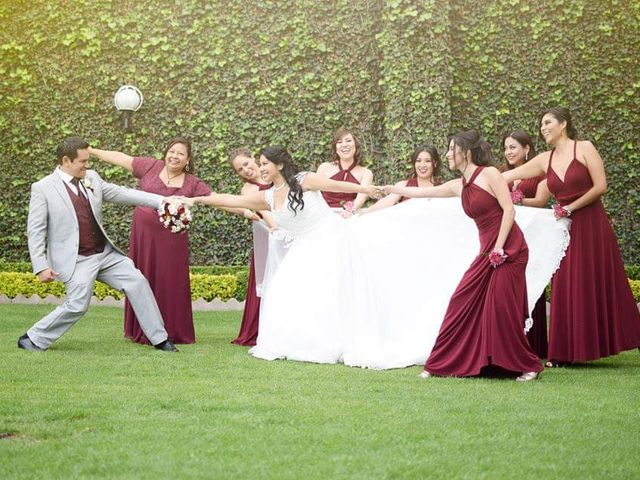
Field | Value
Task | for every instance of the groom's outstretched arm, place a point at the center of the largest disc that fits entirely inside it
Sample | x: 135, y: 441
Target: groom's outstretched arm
x: 126, y: 196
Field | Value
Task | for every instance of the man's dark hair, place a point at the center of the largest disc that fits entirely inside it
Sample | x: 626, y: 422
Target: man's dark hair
x: 69, y: 148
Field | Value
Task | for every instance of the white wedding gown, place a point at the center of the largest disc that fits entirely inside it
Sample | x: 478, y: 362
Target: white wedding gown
x: 372, y: 291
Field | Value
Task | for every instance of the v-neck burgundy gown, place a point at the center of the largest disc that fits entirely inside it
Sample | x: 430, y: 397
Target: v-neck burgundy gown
x: 593, y: 312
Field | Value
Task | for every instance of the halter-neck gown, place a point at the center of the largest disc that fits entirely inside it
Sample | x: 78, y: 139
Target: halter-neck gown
x: 483, y: 326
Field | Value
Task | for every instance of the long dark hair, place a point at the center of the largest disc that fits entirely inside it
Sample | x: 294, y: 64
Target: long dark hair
x: 188, y: 168
x: 524, y: 140
x: 435, y: 161
x: 278, y: 155
x: 562, y: 115
x: 473, y: 142
x: 341, y: 132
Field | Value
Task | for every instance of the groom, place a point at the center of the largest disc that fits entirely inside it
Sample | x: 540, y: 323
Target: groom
x: 68, y: 243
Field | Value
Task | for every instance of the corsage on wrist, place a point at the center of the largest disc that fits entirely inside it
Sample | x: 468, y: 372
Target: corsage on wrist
x: 517, y: 196
x: 349, y: 207
x: 561, y: 212
x: 497, y: 257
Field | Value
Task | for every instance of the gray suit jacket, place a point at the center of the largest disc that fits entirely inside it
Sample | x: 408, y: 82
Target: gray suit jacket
x: 52, y: 225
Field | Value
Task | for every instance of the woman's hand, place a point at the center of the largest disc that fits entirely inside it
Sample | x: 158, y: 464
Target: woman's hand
x: 250, y: 215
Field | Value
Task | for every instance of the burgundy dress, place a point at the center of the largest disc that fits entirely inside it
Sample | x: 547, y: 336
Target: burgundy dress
x: 412, y: 182
x: 338, y: 199
x: 537, y: 335
x: 484, y: 323
x: 162, y: 256
x: 250, y: 317
x: 593, y: 312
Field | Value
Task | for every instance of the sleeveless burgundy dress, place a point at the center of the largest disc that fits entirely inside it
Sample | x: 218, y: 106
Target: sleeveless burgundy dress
x: 412, y: 182
x: 162, y: 256
x: 483, y: 328
x: 537, y: 335
x: 338, y: 199
x: 593, y: 312
x: 250, y: 317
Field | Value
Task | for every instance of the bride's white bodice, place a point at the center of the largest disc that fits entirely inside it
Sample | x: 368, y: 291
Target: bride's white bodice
x: 314, y: 214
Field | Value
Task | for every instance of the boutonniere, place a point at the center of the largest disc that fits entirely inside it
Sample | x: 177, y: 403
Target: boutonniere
x: 87, y: 184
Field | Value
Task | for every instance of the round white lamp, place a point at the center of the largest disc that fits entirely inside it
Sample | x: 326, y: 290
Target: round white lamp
x: 128, y: 99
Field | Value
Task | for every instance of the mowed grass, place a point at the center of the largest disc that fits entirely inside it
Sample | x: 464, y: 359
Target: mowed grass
x: 97, y: 406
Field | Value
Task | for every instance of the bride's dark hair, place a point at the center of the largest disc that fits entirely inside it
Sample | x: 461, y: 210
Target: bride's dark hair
x: 472, y: 141
x: 278, y: 155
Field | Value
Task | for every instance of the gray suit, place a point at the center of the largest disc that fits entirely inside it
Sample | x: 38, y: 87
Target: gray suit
x: 53, y: 243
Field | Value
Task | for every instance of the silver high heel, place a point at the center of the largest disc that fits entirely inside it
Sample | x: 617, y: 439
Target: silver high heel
x: 425, y: 374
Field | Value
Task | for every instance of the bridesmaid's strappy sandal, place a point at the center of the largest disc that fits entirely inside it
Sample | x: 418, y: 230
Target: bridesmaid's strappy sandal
x: 425, y: 374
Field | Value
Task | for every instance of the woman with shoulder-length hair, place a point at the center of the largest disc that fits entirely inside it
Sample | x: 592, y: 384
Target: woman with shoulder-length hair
x: 162, y: 256
x: 483, y: 328
x: 593, y: 312
x: 425, y: 162
x: 345, y: 165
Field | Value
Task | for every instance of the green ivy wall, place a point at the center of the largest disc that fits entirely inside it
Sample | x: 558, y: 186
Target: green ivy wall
x: 249, y: 73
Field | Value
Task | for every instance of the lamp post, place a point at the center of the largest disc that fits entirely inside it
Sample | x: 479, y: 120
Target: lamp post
x: 128, y: 99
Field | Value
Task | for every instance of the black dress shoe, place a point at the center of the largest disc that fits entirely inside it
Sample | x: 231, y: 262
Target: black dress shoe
x: 166, y: 346
x: 25, y: 343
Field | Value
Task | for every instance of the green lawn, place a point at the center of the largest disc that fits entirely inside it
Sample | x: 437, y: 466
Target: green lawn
x: 95, y: 405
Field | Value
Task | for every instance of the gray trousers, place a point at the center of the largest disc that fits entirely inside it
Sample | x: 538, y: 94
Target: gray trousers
x: 114, y: 269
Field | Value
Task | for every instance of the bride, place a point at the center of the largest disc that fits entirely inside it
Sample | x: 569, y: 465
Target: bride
x: 370, y: 291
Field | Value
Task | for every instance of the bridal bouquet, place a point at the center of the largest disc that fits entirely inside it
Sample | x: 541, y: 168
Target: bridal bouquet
x: 175, y: 216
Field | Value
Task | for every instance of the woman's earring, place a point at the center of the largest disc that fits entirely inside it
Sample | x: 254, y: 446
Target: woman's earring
x: 526, y: 156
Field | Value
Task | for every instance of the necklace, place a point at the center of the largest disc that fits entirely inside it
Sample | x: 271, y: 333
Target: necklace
x: 279, y: 187
x: 171, y: 178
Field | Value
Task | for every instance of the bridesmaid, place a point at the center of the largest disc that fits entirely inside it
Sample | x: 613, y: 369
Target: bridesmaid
x: 344, y: 165
x: 518, y: 149
x: 482, y: 330
x: 243, y: 163
x: 593, y: 312
x: 426, y: 170
x: 161, y: 256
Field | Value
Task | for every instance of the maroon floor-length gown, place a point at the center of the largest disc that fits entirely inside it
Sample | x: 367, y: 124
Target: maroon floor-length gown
x: 162, y: 256
x: 537, y: 335
x: 484, y: 323
x: 593, y: 312
x: 338, y: 199
x: 248, y: 333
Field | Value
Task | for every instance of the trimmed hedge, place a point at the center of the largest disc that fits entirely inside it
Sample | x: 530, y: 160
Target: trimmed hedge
x: 635, y: 288
x: 242, y: 73
x: 207, y: 287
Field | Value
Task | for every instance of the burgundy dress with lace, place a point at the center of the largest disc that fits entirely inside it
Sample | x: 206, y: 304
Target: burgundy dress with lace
x: 162, y: 256
x: 593, y: 312
x: 537, y: 335
x: 483, y: 327
x: 338, y: 199
x: 248, y: 333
